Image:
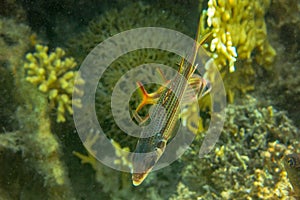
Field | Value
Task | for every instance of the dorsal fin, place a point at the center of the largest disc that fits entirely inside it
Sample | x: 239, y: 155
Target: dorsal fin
x: 199, y: 40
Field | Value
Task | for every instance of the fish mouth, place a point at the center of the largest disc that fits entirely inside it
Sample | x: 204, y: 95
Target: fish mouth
x: 142, y: 165
x: 138, y: 178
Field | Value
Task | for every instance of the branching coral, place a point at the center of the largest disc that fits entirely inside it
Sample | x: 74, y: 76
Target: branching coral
x: 183, y: 192
x: 239, y: 34
x: 240, y: 25
x: 53, y: 75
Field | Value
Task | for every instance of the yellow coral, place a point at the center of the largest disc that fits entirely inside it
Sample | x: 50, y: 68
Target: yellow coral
x: 239, y: 33
x: 238, y: 29
x: 279, y: 191
x: 53, y: 75
x: 122, y: 154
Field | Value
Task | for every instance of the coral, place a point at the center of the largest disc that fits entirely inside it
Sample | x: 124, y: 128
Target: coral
x: 238, y: 29
x: 239, y: 34
x: 118, y: 185
x: 292, y: 166
x: 273, y: 174
x: 248, y: 156
x: 183, y: 193
x: 54, y: 75
x: 112, y: 22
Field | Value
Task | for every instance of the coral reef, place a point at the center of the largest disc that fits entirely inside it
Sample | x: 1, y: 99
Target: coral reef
x: 248, y: 156
x: 36, y: 153
x: 55, y: 76
x: 249, y: 153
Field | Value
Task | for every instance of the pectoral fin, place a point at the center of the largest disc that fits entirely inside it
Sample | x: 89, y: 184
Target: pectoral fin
x: 197, y: 88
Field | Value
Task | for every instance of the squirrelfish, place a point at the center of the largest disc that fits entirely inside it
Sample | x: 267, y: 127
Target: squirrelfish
x: 164, y: 116
x: 292, y: 166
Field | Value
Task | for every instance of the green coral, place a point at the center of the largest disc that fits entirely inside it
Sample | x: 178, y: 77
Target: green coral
x: 114, y: 21
x: 54, y: 75
x: 110, y: 23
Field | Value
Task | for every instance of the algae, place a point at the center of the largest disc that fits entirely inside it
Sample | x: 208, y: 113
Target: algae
x: 31, y: 140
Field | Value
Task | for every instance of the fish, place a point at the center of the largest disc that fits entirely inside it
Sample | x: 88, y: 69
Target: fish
x: 164, y: 116
x: 292, y: 166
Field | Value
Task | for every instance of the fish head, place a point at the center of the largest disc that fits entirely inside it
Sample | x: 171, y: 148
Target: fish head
x: 143, y: 163
x: 292, y: 160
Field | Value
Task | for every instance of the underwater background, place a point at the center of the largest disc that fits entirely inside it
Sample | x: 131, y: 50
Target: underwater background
x: 255, y: 45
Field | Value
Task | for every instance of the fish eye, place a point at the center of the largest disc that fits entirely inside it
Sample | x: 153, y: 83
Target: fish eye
x: 161, y: 144
x: 207, y: 86
x: 291, y: 162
